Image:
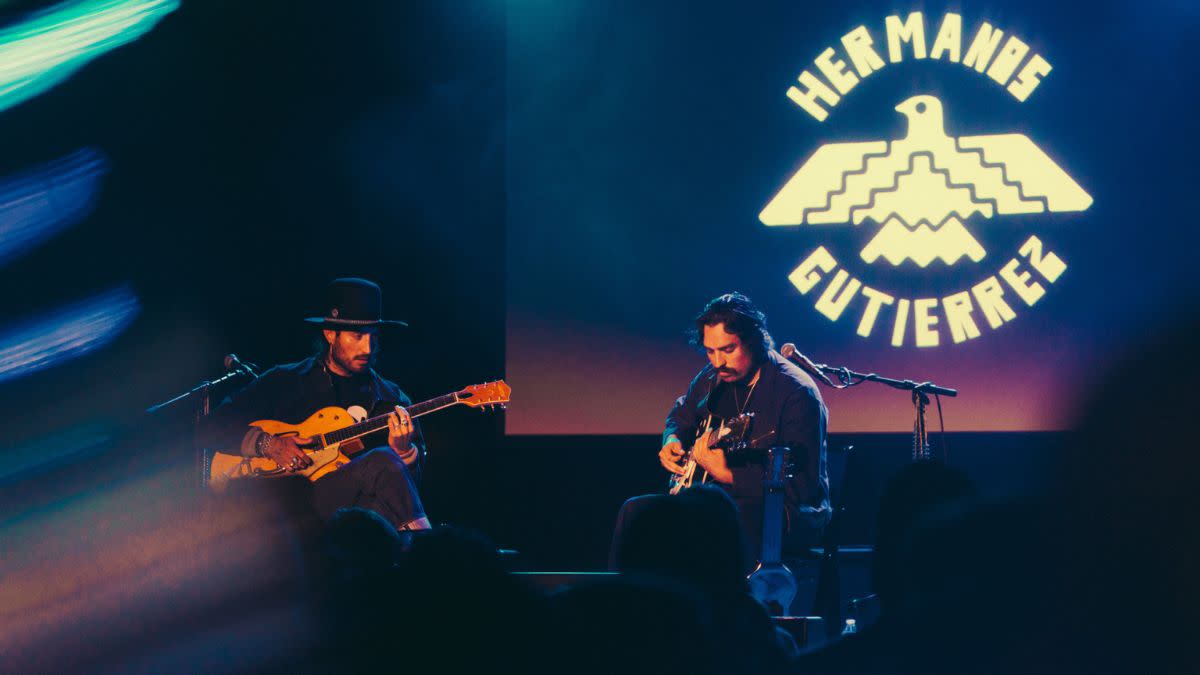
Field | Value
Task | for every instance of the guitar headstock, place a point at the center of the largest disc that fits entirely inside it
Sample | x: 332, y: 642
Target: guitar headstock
x: 493, y: 394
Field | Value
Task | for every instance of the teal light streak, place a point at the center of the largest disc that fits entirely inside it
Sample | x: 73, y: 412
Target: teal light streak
x: 49, y: 46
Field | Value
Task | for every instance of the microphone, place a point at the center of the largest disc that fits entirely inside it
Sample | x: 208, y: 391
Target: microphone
x: 789, y: 352
x: 233, y: 363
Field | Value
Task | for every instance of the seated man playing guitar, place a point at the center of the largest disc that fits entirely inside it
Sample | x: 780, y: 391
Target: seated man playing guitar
x: 340, y: 376
x: 767, y: 401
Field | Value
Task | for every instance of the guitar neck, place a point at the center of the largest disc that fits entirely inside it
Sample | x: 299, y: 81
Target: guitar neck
x: 374, y: 424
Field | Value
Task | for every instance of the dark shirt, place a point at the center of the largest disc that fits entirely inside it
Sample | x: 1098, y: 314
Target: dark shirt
x: 730, y: 399
x: 788, y: 411
x: 351, y: 391
x: 291, y: 393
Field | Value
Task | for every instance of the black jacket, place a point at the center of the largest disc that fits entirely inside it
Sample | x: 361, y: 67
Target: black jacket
x: 290, y: 393
x: 788, y: 411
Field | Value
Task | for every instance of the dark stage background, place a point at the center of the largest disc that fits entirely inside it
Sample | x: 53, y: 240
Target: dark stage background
x: 256, y: 150
x: 645, y: 139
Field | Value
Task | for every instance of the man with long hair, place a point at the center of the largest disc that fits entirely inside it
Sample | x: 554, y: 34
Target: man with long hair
x: 745, y: 374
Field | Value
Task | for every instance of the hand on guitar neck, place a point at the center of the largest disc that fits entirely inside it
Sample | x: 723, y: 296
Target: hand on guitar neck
x: 400, y: 436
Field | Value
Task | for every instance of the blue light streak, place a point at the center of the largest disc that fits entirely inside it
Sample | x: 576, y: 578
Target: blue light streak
x: 66, y: 333
x: 42, y: 202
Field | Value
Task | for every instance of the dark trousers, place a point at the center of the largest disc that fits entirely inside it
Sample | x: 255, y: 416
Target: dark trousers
x: 376, y: 480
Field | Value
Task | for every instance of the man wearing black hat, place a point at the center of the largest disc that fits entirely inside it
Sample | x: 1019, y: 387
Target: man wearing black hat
x: 340, y: 374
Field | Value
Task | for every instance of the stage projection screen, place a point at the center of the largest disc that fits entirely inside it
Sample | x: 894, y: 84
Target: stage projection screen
x: 996, y: 197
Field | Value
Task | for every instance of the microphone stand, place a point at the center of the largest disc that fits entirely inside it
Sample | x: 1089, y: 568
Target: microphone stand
x: 921, y: 450
x: 201, y: 390
x: 203, y: 404
x: 920, y: 398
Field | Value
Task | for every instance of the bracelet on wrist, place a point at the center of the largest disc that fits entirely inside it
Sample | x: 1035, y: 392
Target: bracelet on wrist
x: 263, y: 443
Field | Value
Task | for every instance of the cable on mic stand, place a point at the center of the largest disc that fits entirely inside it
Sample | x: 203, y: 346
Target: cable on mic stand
x: 920, y: 395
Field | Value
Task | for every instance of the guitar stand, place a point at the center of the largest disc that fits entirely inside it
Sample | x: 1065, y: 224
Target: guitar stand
x: 772, y: 583
x: 846, y: 378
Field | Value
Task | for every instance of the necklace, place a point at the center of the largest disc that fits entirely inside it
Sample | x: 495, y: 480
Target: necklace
x: 741, y: 407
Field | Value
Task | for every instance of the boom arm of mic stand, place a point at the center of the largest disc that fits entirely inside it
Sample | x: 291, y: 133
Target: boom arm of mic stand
x: 847, y: 376
x: 919, y: 390
x: 931, y: 388
x: 197, y: 389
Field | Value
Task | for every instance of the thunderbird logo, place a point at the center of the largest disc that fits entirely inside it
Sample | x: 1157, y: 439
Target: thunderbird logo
x: 922, y: 187
x: 927, y: 195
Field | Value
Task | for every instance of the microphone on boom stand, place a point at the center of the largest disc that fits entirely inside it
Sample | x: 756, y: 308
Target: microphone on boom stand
x: 233, y: 363
x: 788, y: 350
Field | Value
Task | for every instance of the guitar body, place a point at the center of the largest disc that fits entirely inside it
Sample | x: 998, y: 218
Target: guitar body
x: 326, y: 460
x: 730, y: 435
x: 677, y: 483
x: 334, y: 439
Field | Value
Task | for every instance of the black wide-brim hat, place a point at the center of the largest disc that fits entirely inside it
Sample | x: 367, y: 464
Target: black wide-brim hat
x: 353, y: 304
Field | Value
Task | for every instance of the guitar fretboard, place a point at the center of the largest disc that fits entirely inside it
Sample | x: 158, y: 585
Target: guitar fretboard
x: 380, y: 422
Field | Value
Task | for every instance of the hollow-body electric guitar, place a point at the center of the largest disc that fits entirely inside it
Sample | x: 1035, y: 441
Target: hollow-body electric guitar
x: 334, y: 433
x: 728, y: 435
